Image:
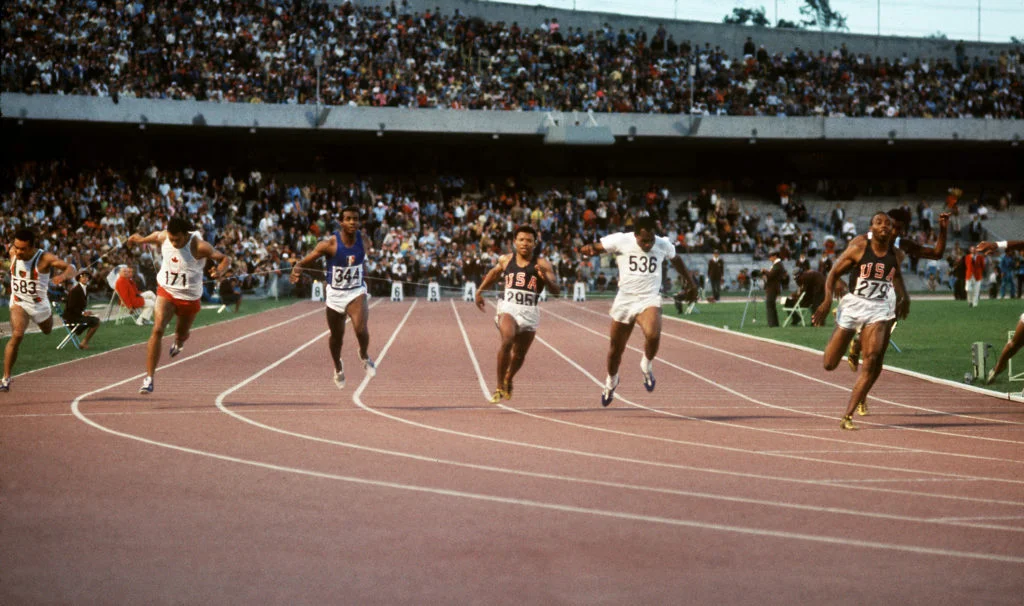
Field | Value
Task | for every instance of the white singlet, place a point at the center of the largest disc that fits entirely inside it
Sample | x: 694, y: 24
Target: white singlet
x: 28, y: 287
x: 181, y: 274
x: 639, y: 271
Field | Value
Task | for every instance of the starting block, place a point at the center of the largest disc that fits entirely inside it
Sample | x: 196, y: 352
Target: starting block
x: 1009, y: 365
x: 469, y: 291
x: 579, y: 291
x: 396, y: 291
x: 433, y: 291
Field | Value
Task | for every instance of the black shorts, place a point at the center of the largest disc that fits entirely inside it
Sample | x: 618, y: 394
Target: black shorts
x: 84, y: 323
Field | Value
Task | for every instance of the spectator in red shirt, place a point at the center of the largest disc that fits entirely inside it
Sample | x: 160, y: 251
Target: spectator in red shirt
x: 132, y: 298
x: 975, y: 274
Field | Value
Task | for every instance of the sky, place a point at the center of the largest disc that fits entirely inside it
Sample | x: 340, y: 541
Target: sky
x: 957, y: 19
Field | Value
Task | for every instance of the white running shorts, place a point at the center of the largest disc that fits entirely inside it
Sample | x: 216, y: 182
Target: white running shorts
x: 39, y: 312
x: 626, y: 308
x: 855, y: 312
x: 338, y: 300
x: 526, y: 317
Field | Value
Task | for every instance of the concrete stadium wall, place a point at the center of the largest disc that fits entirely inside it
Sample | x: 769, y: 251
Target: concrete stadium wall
x: 370, y: 119
x: 729, y: 37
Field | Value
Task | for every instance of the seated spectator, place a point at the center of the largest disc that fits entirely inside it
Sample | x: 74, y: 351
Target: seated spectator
x: 75, y: 312
x: 230, y: 292
x: 132, y: 298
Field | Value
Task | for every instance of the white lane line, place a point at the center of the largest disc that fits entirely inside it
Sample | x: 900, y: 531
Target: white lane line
x: 898, y: 480
x: 222, y: 407
x: 756, y: 428
x: 483, y: 387
x: 551, y: 506
x: 110, y: 351
x: 833, y: 385
x: 847, y: 389
x: 998, y: 395
x: 837, y: 452
x: 75, y: 407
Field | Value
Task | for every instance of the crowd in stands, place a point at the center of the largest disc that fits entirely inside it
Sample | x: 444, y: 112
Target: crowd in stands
x: 264, y: 51
x: 436, y: 230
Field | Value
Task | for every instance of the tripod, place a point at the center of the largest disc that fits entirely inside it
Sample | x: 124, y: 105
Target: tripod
x: 751, y: 298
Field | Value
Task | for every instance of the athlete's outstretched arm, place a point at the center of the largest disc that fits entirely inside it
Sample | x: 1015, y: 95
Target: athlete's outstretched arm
x: 322, y: 249
x: 940, y: 242
x: 205, y: 251
x: 156, y: 237
x: 843, y: 264
x: 52, y: 261
x: 902, y: 297
x: 987, y: 248
x: 491, y: 277
x: 691, y: 291
x: 547, y: 273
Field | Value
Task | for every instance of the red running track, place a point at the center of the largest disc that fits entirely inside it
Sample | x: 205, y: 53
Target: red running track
x: 247, y: 477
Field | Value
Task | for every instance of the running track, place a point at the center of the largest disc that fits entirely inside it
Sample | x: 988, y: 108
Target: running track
x: 247, y: 477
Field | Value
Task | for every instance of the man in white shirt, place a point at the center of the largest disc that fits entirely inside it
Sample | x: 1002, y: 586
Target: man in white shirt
x: 639, y: 256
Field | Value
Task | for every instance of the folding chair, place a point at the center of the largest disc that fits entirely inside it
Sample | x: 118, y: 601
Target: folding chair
x: 891, y: 342
x: 70, y: 327
x: 124, y: 312
x: 795, y: 310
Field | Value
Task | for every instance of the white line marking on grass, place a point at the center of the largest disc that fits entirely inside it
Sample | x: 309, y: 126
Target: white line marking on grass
x: 109, y: 351
x: 977, y: 390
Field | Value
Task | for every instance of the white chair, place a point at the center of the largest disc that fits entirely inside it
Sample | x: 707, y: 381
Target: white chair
x: 71, y: 328
x: 124, y: 312
x: 795, y: 310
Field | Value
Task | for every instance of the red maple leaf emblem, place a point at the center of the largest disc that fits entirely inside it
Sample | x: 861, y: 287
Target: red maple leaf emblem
x: 174, y: 259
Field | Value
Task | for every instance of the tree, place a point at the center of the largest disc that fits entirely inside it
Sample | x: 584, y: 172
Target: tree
x: 742, y: 16
x: 937, y: 36
x: 819, y: 13
x: 783, y: 23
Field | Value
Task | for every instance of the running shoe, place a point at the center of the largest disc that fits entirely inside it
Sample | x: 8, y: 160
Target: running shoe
x: 369, y: 366
x: 5, y: 384
x: 991, y: 377
x: 648, y: 375
x: 147, y: 386
x: 339, y: 378
x: 497, y: 396
x: 847, y: 423
x: 862, y: 408
x: 609, y: 392
x: 175, y: 349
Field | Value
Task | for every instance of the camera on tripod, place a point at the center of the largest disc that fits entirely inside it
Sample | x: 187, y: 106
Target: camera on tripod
x: 757, y: 273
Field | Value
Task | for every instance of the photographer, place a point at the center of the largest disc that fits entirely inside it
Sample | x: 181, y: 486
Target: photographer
x: 773, y: 278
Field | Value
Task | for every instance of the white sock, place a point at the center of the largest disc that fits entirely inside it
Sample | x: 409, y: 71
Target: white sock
x: 611, y: 381
x: 645, y: 364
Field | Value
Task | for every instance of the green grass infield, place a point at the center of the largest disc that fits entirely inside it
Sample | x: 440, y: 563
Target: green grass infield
x: 935, y: 339
x: 39, y: 351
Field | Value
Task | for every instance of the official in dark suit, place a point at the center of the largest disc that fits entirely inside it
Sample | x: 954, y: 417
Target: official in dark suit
x: 75, y: 313
x: 773, y: 286
x: 716, y: 270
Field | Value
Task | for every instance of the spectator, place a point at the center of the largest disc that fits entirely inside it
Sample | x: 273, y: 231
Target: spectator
x: 131, y: 297
x: 75, y: 310
x: 716, y: 271
x: 230, y: 292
